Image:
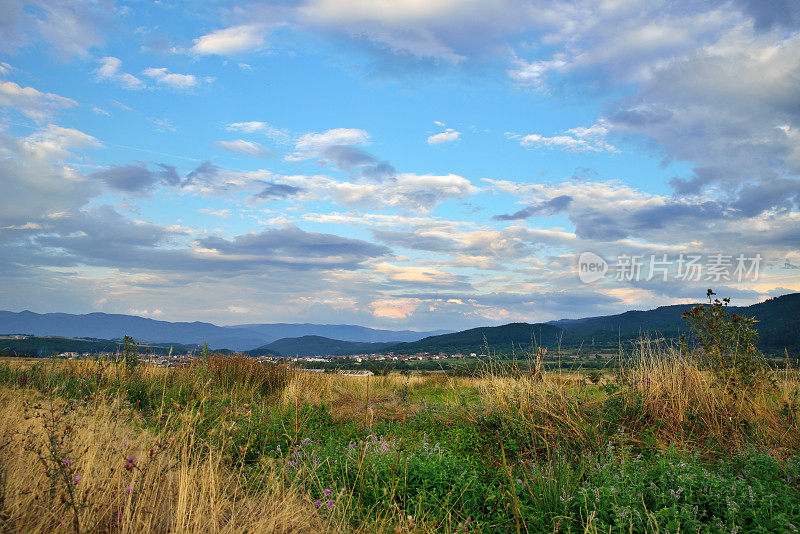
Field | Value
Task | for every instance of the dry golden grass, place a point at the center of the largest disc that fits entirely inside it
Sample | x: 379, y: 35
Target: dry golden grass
x: 179, y: 487
x: 668, y: 395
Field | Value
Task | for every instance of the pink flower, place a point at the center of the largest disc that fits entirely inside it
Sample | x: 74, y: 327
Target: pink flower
x: 317, y: 503
x: 327, y: 492
x: 128, y: 490
x: 76, y: 479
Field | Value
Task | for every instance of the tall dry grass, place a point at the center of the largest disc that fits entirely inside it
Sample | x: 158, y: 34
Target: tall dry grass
x: 88, y: 467
x: 660, y: 392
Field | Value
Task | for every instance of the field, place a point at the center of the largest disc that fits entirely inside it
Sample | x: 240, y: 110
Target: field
x: 230, y: 445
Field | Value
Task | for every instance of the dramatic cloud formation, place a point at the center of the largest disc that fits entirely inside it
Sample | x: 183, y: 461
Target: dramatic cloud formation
x: 275, y: 161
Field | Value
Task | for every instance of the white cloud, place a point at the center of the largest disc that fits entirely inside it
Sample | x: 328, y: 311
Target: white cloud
x: 248, y: 127
x: 313, y: 145
x: 223, y: 213
x: 71, y: 26
x: 280, y: 136
x: 230, y: 41
x: 448, y: 136
x: 109, y: 69
x: 31, y: 102
x: 407, y: 191
x: 249, y: 148
x: 44, y: 188
x: 54, y: 143
x: 162, y: 125
x: 580, y: 139
x: 173, y: 79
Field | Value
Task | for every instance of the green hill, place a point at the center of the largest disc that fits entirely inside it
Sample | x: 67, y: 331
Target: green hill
x: 506, y: 339
x: 316, y: 346
x: 47, y: 346
x: 778, y: 323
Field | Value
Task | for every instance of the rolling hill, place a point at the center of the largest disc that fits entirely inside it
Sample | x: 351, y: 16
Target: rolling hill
x: 778, y: 326
x: 243, y: 337
x: 343, y: 332
x: 317, y: 346
x: 510, y: 338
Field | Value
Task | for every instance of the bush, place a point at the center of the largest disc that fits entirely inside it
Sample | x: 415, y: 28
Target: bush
x: 725, y: 343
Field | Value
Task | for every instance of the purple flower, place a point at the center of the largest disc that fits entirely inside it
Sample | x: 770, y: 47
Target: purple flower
x: 128, y: 490
x: 327, y: 492
x: 330, y: 503
x: 130, y: 463
x: 317, y: 503
x: 76, y: 479
x: 67, y: 462
x: 124, y: 444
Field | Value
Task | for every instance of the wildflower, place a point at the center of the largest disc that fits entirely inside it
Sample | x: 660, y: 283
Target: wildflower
x: 130, y: 463
x: 330, y: 503
x: 67, y: 462
x: 76, y: 479
x: 317, y: 503
x: 124, y: 444
x: 327, y: 492
x: 128, y: 490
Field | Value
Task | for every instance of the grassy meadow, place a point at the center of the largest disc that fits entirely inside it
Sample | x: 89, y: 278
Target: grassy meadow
x: 227, y: 444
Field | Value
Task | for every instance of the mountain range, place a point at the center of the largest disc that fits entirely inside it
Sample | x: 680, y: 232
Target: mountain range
x: 239, y: 337
x: 778, y: 324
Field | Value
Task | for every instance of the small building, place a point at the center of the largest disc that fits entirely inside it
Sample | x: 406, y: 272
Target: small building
x: 358, y: 372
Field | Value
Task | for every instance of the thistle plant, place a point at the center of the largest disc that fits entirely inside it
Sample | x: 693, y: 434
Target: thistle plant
x: 130, y: 355
x: 723, y: 342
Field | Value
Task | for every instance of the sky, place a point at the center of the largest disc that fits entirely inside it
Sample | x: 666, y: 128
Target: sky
x: 436, y: 164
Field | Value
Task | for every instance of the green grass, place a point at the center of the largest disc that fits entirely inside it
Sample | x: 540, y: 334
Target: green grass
x: 580, y: 458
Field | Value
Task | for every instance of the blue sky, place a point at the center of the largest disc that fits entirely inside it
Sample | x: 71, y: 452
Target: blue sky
x: 403, y: 164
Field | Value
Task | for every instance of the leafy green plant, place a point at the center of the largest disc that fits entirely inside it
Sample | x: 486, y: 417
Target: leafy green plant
x: 725, y: 343
x: 130, y: 356
x: 594, y: 376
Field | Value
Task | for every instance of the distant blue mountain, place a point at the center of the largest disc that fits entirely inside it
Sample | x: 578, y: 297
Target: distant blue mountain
x: 241, y: 337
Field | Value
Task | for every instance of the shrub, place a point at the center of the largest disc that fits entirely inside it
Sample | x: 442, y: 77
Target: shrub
x: 726, y: 343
